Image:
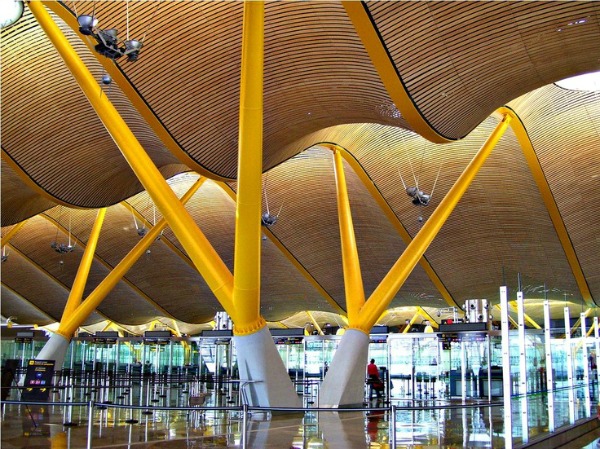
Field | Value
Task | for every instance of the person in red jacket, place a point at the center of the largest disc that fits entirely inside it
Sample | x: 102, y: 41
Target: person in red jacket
x: 375, y: 384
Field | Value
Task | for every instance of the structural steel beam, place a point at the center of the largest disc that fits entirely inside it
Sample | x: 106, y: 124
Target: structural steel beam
x: 393, y: 219
x: 411, y: 322
x: 13, y: 231
x: 353, y: 284
x: 513, y: 305
x: 511, y: 319
x: 166, y: 241
x: 286, y: 252
x: 428, y: 317
x: 246, y: 279
x: 397, y: 275
x: 83, y: 271
x: 547, y: 196
x: 47, y: 275
x: 312, y: 319
x: 578, y: 322
x: 365, y: 27
x: 109, y: 267
x: 204, y: 256
x: 68, y: 326
x: 135, y: 98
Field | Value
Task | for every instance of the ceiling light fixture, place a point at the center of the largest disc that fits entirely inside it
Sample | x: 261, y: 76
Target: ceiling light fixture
x: 10, y: 12
x: 109, y: 44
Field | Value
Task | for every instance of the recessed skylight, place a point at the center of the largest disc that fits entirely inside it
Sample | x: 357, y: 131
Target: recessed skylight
x: 589, y: 82
x: 10, y: 12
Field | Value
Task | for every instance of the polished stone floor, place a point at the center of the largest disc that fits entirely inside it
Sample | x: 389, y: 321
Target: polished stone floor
x: 441, y: 424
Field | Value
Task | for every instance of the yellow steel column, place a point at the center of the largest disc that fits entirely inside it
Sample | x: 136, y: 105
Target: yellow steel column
x: 513, y: 305
x: 83, y: 271
x: 421, y: 311
x: 353, y: 284
x: 246, y: 279
x: 400, y: 271
x: 548, y: 197
x: 312, y: 318
x: 411, y: 322
x: 10, y: 234
x: 511, y: 319
x: 205, y: 258
x: 76, y: 318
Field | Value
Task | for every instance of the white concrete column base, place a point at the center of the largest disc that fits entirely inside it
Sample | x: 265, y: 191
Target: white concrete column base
x: 344, y: 384
x: 55, y: 349
x: 263, y: 377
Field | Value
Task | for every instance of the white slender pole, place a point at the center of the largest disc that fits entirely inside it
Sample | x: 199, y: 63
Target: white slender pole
x: 506, y: 380
x: 586, y: 367
x: 522, y: 366
x: 549, y: 369
x: 597, y: 342
x: 569, y: 353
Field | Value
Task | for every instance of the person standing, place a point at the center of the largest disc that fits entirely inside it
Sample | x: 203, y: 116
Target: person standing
x: 374, y: 381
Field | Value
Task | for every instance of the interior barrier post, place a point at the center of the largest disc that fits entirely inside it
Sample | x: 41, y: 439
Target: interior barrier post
x: 244, y: 426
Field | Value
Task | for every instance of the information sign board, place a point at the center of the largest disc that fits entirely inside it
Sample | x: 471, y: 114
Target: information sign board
x: 38, y: 380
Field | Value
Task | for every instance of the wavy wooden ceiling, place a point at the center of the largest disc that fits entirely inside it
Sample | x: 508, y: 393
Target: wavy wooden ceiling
x: 459, y: 61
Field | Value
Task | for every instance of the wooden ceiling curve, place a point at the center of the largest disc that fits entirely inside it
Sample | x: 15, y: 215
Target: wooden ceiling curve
x: 458, y: 61
x: 461, y: 60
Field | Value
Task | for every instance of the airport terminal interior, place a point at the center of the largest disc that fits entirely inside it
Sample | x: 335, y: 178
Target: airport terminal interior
x: 300, y: 224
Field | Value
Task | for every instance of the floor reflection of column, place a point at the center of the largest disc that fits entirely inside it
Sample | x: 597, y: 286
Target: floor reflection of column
x: 342, y: 430
x: 277, y: 431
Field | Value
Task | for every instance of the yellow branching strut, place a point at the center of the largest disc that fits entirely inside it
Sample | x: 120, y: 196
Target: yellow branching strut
x: 363, y: 315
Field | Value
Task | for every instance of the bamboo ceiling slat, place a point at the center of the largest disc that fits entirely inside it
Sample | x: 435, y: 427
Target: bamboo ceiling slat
x: 452, y: 55
x: 459, y: 61
x: 80, y: 157
x: 19, y: 202
x: 569, y: 156
x: 22, y: 310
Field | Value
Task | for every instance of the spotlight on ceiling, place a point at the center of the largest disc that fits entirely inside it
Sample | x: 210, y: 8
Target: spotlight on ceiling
x: 108, y: 42
x: 132, y: 49
x: 62, y: 248
x: 268, y: 220
x: 419, y: 198
x: 10, y: 12
x: 87, y: 24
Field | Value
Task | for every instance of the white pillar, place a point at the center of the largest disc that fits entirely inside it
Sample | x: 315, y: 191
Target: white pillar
x: 55, y: 349
x: 345, y: 380
x: 264, y: 381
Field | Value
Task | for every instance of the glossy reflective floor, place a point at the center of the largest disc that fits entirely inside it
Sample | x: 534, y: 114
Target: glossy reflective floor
x: 419, y: 424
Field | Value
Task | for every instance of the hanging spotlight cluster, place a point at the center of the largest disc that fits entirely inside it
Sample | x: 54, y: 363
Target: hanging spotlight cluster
x: 109, y: 44
x: 268, y: 220
x: 62, y: 248
x: 419, y: 198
